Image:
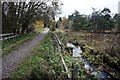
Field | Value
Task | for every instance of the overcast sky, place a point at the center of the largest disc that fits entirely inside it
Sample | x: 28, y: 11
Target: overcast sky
x: 85, y: 6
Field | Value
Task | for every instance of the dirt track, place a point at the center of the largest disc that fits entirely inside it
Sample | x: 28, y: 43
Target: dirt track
x: 11, y: 62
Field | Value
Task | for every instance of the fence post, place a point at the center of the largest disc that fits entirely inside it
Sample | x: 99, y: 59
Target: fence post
x: 62, y: 49
x: 74, y: 71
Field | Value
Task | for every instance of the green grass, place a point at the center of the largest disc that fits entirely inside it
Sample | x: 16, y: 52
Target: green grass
x: 43, y: 64
x: 81, y: 71
x: 11, y: 44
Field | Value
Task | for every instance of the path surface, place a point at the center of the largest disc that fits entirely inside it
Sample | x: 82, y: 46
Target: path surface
x: 11, y: 62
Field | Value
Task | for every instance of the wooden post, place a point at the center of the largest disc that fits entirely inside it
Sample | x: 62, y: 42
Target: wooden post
x: 74, y: 71
x: 62, y: 49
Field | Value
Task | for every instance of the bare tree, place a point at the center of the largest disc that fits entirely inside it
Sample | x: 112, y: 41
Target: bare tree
x: 18, y: 15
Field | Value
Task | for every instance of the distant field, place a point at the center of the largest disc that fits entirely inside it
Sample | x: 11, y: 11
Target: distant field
x: 99, y: 42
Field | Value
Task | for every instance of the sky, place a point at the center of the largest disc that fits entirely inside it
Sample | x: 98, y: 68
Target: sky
x: 85, y: 6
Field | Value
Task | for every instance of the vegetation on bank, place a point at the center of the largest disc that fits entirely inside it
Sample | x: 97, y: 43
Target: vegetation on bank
x: 44, y: 63
x: 82, y: 73
x: 11, y: 44
x: 101, y: 52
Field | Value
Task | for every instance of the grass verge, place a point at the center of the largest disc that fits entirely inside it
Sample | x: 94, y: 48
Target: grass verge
x: 11, y: 44
x: 44, y: 64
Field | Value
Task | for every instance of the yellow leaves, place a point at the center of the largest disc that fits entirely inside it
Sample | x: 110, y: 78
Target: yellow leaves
x: 88, y: 47
x: 85, y: 34
x: 65, y: 21
x: 53, y: 23
x: 39, y: 25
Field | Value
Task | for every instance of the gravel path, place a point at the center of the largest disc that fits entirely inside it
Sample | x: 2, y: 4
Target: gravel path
x: 11, y: 62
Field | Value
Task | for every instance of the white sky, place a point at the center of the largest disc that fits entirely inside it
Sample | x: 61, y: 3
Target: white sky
x: 85, y: 6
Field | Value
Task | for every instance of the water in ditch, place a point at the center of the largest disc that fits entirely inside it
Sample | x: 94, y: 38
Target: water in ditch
x: 77, y: 53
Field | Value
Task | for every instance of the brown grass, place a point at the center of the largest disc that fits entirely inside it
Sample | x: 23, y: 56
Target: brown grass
x: 106, y: 44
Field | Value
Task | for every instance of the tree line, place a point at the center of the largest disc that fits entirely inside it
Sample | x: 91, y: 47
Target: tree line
x: 16, y: 16
x: 98, y: 21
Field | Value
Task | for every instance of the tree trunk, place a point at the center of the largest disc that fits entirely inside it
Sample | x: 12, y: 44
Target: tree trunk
x: 23, y: 28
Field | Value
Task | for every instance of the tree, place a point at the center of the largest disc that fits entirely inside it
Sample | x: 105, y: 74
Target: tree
x: 60, y: 19
x: 98, y: 21
x: 102, y: 20
x: 65, y: 23
x: 71, y: 17
x: 39, y: 25
x: 79, y: 21
x: 18, y: 15
x: 119, y: 23
x: 106, y: 11
x: 116, y: 19
x: 109, y: 23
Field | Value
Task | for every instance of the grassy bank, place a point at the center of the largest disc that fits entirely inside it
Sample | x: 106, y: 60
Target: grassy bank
x: 69, y: 60
x: 44, y: 63
x: 11, y: 44
x: 105, y: 48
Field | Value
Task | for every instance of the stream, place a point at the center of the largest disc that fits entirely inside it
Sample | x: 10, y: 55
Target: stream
x: 99, y: 74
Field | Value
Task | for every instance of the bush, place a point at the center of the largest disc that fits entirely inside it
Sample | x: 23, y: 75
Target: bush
x: 52, y: 28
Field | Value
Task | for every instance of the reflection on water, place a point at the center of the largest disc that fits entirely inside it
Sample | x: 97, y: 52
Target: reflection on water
x: 89, y: 67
